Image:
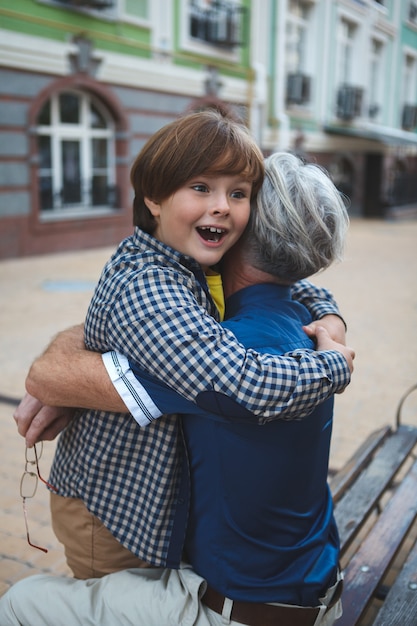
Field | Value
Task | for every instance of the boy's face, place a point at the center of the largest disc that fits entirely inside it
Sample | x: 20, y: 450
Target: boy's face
x: 205, y: 217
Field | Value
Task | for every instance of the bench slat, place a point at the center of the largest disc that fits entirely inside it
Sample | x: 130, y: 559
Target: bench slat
x: 368, y: 566
x: 353, y: 509
x: 400, y: 606
x: 354, y: 466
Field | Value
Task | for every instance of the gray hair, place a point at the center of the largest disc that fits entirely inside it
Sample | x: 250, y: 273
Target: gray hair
x: 299, y: 220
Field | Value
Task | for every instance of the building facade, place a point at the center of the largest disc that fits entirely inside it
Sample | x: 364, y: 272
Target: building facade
x: 84, y: 83
x: 345, y: 95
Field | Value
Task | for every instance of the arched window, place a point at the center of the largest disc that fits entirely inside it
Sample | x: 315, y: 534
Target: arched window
x: 76, y: 148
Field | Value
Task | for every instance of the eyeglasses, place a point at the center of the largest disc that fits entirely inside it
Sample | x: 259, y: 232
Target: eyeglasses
x: 29, y: 484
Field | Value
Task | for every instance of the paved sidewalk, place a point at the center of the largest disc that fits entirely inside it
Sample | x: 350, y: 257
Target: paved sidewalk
x: 376, y: 288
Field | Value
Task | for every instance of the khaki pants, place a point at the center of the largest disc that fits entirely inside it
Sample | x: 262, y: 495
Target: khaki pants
x: 90, y: 549
x: 141, y: 597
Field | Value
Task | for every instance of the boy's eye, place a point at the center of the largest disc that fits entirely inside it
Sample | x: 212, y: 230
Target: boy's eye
x: 239, y: 194
x: 200, y: 187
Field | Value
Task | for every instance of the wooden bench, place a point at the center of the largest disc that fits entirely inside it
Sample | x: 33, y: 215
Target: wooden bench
x: 375, y: 498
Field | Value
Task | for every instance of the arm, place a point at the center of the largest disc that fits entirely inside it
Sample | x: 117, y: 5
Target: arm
x: 86, y: 380
x: 67, y: 374
x: 286, y: 386
x: 318, y: 300
x: 184, y: 347
x: 138, y: 389
x: 323, y: 308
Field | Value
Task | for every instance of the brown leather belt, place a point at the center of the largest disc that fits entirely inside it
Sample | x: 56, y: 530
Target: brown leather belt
x: 256, y: 614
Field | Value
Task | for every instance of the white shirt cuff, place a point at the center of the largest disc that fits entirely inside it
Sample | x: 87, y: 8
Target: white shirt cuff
x: 132, y: 392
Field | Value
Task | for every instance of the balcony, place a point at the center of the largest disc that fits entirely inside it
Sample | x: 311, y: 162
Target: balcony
x: 221, y: 24
x: 349, y: 102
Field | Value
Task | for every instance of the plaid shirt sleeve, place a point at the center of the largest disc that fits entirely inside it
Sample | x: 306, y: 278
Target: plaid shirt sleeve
x: 318, y: 300
x: 158, y: 323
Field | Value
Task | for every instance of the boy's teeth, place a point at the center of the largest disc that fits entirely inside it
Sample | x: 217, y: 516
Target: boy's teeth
x: 212, y: 229
x: 211, y: 233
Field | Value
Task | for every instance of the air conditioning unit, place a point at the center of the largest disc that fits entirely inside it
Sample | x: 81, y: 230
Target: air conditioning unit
x: 349, y: 102
x: 409, y: 119
x: 373, y: 110
x: 298, y: 89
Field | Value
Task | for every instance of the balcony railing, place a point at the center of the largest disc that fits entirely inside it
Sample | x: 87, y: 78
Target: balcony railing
x: 72, y: 196
x: 221, y: 24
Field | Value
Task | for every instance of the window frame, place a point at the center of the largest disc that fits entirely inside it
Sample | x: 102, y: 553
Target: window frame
x: 376, y: 81
x: 83, y: 133
x: 298, y: 70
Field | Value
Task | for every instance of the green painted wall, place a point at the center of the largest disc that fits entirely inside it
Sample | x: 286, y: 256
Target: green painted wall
x: 57, y: 23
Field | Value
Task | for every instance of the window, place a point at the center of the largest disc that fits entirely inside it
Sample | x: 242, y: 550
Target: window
x: 376, y: 76
x: 346, y: 51
x: 296, y: 52
x: 296, y: 36
x: 217, y: 22
x: 409, y: 81
x: 412, y: 12
x: 75, y: 136
x: 349, y: 97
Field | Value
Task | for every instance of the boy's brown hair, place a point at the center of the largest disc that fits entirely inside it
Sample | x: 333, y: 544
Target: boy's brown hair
x: 207, y: 143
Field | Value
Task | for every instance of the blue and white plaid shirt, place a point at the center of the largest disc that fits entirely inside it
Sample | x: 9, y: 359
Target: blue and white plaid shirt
x: 152, y: 304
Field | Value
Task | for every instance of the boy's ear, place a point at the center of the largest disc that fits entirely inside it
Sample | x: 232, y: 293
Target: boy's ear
x: 153, y: 207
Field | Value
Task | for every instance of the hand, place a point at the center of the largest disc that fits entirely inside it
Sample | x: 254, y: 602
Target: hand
x: 325, y: 342
x: 38, y: 422
x: 334, y: 325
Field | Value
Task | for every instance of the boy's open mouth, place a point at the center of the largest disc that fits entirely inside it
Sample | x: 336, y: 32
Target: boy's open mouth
x: 211, y: 233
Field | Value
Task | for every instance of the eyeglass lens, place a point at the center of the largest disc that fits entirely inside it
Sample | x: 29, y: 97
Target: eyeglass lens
x: 32, y: 456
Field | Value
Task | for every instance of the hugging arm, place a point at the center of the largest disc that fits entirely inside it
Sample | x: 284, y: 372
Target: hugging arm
x: 105, y: 382
x: 147, y: 398
x: 68, y: 375
x: 183, y: 346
